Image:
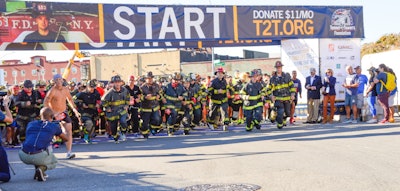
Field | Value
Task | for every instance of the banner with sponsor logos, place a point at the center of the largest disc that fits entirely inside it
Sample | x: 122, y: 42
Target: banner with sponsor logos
x: 106, y: 23
x: 337, y: 54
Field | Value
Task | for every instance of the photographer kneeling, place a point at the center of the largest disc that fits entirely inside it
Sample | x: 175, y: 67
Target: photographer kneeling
x: 35, y: 150
x: 4, y: 168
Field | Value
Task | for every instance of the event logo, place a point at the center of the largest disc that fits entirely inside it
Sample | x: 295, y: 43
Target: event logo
x: 330, y: 58
x: 345, y: 47
x: 331, y: 47
x: 342, y: 22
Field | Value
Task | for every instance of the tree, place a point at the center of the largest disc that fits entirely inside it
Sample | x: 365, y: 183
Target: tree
x: 385, y: 43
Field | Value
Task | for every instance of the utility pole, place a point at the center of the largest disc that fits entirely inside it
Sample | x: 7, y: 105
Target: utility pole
x: 212, y: 61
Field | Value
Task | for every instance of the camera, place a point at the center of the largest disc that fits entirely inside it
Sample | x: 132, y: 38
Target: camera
x: 2, y: 94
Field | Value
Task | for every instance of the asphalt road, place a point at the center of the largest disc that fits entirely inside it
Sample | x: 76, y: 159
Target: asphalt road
x: 300, y: 157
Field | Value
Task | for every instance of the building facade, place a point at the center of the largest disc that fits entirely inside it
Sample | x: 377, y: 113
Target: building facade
x: 103, y: 67
x: 39, y: 68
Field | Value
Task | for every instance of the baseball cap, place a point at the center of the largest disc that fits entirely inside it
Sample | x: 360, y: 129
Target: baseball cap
x: 41, y: 8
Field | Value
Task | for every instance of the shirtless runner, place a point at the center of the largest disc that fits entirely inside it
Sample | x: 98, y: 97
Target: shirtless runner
x: 55, y: 99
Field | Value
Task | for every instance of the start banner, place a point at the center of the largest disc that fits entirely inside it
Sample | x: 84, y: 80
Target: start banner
x: 133, y: 45
x: 112, y: 23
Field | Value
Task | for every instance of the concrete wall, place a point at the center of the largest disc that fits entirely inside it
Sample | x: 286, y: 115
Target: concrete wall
x: 243, y: 65
x: 103, y: 67
x: 160, y: 63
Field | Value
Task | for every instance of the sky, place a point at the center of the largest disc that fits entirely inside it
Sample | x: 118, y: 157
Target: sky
x: 380, y: 18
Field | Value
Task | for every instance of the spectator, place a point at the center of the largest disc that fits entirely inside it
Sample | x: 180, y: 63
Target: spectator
x: 383, y: 94
x: 371, y: 94
x: 363, y: 81
x: 329, y: 96
x: 313, y: 86
x: 391, y: 98
x: 297, y: 85
x: 350, y: 102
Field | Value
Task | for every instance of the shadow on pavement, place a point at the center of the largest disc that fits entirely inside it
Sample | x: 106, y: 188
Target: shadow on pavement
x: 70, y: 176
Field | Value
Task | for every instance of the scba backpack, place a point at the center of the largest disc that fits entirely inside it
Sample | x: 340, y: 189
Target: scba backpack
x: 390, y: 84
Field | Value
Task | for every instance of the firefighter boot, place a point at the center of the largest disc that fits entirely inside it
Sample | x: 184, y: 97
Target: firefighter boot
x: 249, y: 127
x: 256, y: 124
x: 170, y: 130
x: 280, y: 126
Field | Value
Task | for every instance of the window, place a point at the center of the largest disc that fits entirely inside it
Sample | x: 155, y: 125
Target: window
x: 54, y: 71
x: 74, y: 70
x: 42, y: 72
x: 5, y: 73
x: 62, y: 70
x: 22, y: 72
x: 85, y: 71
x: 34, y: 72
x: 14, y: 73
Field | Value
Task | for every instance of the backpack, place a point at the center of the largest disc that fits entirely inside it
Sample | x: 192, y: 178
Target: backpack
x: 390, y: 84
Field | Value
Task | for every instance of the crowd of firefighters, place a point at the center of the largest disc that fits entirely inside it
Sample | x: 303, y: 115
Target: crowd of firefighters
x: 148, y: 106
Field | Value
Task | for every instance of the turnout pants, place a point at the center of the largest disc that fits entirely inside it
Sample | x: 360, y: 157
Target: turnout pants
x: 217, y: 109
x: 283, y: 111
x: 253, y: 117
x: 114, y: 125
x: 151, y: 119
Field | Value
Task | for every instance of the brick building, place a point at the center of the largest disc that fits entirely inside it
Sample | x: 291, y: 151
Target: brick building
x: 39, y: 68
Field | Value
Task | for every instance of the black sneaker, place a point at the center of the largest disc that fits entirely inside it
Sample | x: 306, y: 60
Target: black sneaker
x: 186, y: 132
x: 39, y: 175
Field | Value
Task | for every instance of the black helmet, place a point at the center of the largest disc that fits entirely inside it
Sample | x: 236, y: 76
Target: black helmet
x: 41, y: 83
x: 177, y: 76
x: 259, y: 72
x: 28, y: 84
x: 187, y: 79
x: 192, y: 76
x: 3, y: 91
x: 116, y: 78
x: 91, y: 83
x: 71, y: 83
